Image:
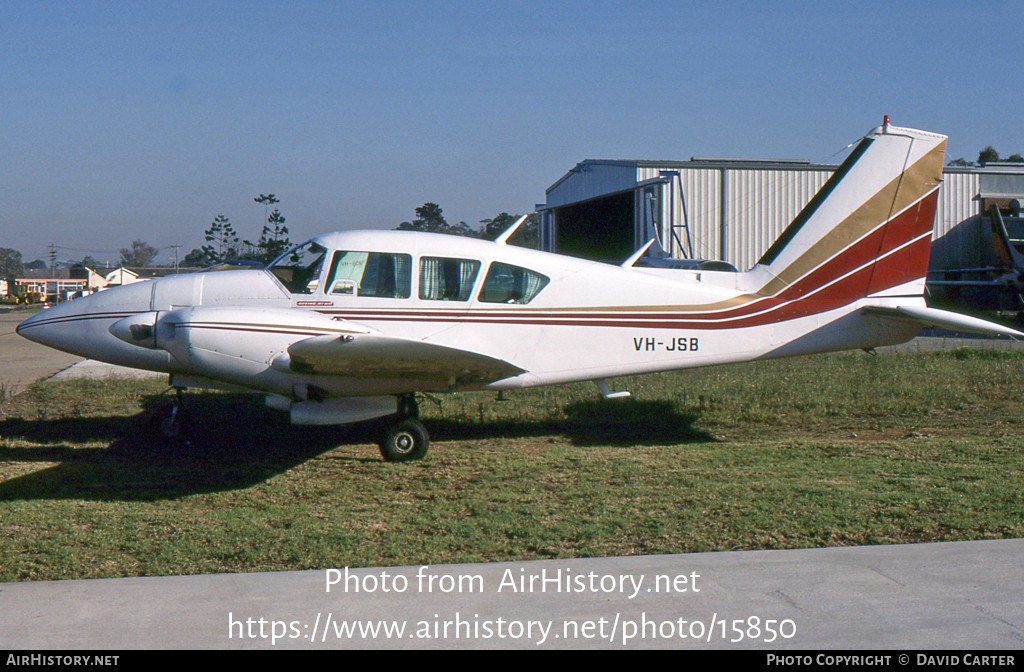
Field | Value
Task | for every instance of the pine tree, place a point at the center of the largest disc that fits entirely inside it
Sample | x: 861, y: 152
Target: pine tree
x: 224, y: 242
x: 274, y: 239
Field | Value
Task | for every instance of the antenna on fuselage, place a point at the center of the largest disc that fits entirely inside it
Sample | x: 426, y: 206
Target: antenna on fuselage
x: 507, y: 233
x: 636, y: 255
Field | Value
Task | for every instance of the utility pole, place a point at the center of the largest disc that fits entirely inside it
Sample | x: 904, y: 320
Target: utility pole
x: 175, y: 258
x: 53, y: 274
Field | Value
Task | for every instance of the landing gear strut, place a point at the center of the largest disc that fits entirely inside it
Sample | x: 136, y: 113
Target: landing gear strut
x: 404, y: 438
x: 408, y: 407
x: 167, y: 421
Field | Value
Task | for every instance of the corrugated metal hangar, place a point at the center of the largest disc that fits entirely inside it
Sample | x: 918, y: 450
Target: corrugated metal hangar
x: 732, y: 210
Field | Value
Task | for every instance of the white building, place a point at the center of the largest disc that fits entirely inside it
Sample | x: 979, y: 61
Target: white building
x: 121, y: 276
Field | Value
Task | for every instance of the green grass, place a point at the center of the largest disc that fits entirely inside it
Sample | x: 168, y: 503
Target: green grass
x: 841, y: 449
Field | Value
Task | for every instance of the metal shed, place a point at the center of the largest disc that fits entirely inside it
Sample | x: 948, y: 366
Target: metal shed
x: 733, y: 209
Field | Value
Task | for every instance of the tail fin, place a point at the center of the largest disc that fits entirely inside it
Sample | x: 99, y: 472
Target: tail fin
x: 867, y: 232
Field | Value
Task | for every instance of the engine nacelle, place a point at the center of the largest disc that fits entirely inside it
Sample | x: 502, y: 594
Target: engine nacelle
x: 138, y: 329
x: 228, y: 343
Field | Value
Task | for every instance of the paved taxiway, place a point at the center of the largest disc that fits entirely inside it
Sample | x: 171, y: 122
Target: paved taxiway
x: 965, y: 595
x: 23, y: 362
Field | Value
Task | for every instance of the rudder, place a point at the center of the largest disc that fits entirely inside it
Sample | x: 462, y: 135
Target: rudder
x: 868, y: 230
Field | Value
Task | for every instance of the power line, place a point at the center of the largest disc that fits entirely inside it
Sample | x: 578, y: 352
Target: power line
x: 79, y: 249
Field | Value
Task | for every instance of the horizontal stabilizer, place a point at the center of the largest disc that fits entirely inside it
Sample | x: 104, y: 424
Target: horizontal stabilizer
x: 943, y: 319
x: 378, y: 356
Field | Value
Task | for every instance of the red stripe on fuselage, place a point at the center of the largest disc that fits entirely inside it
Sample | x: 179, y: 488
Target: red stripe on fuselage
x: 885, y: 257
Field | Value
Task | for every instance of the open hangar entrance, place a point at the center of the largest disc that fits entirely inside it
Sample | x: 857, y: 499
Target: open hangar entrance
x: 600, y: 229
x: 604, y: 210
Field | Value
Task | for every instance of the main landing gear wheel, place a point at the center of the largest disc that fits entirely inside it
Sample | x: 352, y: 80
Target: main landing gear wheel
x: 404, y: 441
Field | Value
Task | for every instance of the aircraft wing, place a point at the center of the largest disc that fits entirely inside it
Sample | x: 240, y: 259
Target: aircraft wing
x: 379, y: 356
x: 943, y: 319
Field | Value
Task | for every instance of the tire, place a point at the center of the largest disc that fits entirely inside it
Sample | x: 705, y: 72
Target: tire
x: 404, y: 441
x: 166, y: 424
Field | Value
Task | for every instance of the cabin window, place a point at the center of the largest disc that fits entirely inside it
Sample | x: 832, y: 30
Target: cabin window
x: 378, y: 274
x: 299, y: 268
x: 444, y: 279
x: 511, y: 284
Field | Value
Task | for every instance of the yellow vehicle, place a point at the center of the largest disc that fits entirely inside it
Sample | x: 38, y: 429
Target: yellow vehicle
x: 21, y: 297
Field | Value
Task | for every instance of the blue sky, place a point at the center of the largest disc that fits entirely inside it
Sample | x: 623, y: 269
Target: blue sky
x: 125, y: 120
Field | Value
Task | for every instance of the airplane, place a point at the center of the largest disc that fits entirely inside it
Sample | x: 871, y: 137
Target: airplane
x: 351, y: 326
x: 1008, y: 276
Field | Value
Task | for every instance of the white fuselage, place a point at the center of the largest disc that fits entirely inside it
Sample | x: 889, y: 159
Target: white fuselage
x: 591, y: 320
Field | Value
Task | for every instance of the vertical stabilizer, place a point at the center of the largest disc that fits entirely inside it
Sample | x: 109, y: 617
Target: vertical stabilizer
x: 867, y: 232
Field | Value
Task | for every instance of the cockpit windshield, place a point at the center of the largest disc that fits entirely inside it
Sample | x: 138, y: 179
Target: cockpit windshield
x: 299, y: 268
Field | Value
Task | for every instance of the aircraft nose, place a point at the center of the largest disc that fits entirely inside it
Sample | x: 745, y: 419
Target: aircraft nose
x: 28, y: 324
x: 80, y: 326
x: 51, y: 327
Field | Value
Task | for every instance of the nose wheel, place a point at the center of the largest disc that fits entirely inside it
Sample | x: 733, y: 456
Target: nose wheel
x: 166, y: 422
x: 170, y: 425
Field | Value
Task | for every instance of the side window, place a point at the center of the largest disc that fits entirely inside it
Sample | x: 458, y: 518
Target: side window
x: 511, y: 284
x: 299, y: 268
x: 447, y: 279
x: 379, y: 274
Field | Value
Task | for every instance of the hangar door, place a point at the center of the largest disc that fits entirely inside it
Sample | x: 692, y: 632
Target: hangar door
x: 600, y: 229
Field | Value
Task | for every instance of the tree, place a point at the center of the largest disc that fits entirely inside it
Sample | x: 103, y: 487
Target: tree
x: 224, y: 242
x: 10, y: 265
x: 492, y: 228
x: 429, y: 218
x: 988, y: 155
x: 138, y: 255
x: 197, y: 258
x: 274, y: 239
x: 266, y: 200
x: 527, y: 235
